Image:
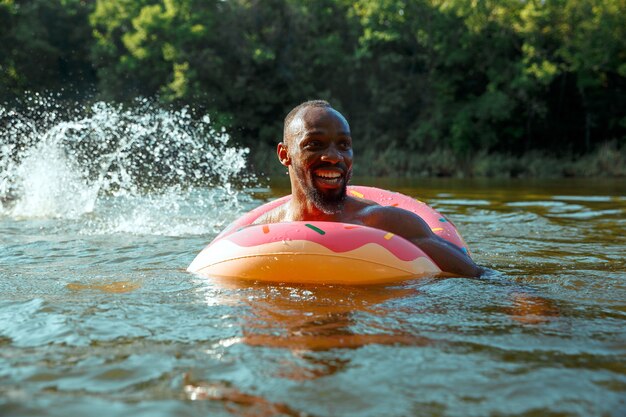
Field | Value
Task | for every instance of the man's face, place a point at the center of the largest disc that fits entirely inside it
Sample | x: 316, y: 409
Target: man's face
x: 319, y: 148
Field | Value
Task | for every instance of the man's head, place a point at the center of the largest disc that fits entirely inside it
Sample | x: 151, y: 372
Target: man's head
x: 317, y: 149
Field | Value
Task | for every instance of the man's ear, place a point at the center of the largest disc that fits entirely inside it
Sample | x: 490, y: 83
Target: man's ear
x: 283, y: 154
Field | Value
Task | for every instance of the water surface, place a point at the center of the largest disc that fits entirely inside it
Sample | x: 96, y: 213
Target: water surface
x: 98, y: 316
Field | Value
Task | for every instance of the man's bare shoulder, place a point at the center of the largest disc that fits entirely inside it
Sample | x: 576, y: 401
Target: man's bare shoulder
x: 376, y: 210
x: 357, y: 211
x: 394, y: 219
x: 276, y: 215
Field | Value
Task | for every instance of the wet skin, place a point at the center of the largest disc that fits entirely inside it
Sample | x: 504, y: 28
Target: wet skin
x: 317, y: 150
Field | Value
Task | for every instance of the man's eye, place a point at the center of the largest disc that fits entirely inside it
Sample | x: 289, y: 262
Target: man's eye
x: 345, y: 144
x: 312, y: 144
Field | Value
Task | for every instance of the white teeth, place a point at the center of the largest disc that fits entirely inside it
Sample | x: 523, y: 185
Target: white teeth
x: 328, y: 174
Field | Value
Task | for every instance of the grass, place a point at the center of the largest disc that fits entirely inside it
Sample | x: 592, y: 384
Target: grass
x: 608, y: 160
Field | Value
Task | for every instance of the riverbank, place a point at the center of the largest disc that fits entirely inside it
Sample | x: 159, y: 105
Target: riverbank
x: 608, y: 161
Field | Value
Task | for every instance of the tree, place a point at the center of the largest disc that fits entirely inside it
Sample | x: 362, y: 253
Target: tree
x: 44, y: 45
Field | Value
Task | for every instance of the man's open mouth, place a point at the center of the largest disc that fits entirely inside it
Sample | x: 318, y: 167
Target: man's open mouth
x: 330, y: 177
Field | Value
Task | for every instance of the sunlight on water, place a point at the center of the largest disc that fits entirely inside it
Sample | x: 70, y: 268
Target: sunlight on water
x: 102, y: 209
x: 51, y: 185
x: 142, y: 170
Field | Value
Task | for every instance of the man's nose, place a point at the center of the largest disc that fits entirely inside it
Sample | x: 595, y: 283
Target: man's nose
x: 332, y: 155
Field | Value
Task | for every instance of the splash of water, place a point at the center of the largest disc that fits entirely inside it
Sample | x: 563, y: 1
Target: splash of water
x: 122, y: 169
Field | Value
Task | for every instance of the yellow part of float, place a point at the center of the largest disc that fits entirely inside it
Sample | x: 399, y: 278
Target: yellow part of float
x: 308, y: 263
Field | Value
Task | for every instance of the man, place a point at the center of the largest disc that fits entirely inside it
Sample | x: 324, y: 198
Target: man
x: 317, y: 150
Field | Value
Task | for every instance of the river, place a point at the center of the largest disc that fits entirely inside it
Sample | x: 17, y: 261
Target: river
x: 101, y: 214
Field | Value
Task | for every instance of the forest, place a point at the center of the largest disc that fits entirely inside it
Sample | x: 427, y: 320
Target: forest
x: 514, y: 88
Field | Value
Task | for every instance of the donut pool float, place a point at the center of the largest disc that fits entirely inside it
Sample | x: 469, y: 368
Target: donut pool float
x: 323, y: 252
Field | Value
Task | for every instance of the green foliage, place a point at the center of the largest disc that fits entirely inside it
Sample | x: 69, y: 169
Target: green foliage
x: 44, y: 45
x: 144, y: 47
x: 421, y: 81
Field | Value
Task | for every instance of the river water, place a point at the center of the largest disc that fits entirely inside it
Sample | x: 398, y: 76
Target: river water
x: 103, y: 209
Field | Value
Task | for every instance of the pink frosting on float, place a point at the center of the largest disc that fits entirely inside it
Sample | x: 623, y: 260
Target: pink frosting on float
x: 341, y: 237
x: 338, y: 237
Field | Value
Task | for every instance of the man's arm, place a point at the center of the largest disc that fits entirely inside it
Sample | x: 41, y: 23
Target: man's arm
x: 410, y: 226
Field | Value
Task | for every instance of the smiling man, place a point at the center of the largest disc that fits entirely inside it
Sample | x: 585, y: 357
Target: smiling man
x: 317, y: 150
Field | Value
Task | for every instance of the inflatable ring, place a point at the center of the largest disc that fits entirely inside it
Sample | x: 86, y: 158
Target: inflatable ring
x: 323, y: 252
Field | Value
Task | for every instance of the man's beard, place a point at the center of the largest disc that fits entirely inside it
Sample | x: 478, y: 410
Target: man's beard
x: 327, y: 203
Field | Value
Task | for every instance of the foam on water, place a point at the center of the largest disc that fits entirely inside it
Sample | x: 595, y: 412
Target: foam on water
x: 142, y: 170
